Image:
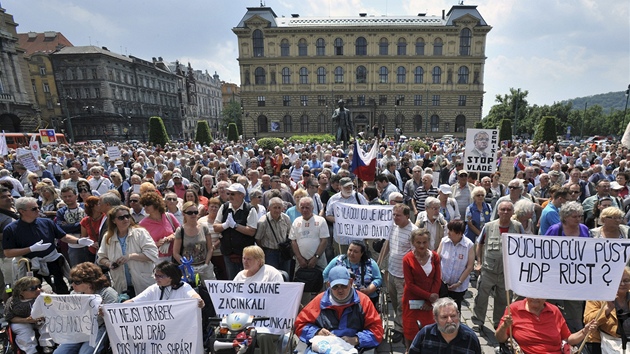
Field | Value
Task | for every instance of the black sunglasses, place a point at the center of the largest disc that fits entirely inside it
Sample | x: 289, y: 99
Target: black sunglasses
x: 76, y: 282
x: 191, y: 212
x: 123, y: 217
x: 171, y: 199
x: 34, y: 287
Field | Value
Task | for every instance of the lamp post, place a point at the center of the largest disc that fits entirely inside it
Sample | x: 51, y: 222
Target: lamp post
x: 626, y: 109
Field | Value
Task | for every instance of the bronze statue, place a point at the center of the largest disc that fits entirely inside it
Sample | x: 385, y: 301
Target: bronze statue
x: 344, y: 127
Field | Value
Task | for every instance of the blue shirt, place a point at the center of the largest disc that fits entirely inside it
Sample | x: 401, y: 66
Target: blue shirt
x: 20, y: 234
x: 430, y: 340
x: 549, y: 216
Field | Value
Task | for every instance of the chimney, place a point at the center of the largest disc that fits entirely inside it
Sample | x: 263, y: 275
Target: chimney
x: 363, y: 14
x: 443, y: 14
x: 295, y: 15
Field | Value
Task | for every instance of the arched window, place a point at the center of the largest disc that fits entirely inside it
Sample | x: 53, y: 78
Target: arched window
x: 284, y: 48
x: 465, y: 38
x: 462, y: 75
x: 382, y: 75
x: 286, y: 76
x: 420, y: 46
x: 437, y: 75
x: 437, y: 47
x: 322, y: 124
x: 417, y: 123
x: 361, y: 74
x: 302, y: 48
x: 460, y: 123
x: 338, y: 46
x: 259, y: 76
x: 287, y: 123
x: 418, y: 75
x: 361, y: 46
x: 321, y: 75
x: 320, y: 47
x: 339, y: 75
x: 259, y: 43
x: 263, y: 126
x: 401, y: 48
x: 401, y: 75
x: 435, y: 123
x: 383, y: 47
x: 303, y: 75
x: 304, y: 123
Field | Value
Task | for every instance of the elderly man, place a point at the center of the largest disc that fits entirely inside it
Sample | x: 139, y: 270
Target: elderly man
x: 541, y: 191
x: 34, y: 238
x: 340, y: 311
x: 75, y: 177
x: 346, y: 195
x: 432, y: 220
x: 481, y: 142
x: 237, y: 222
x: 603, y: 190
x: 447, y: 335
x: 515, y: 187
x: 98, y: 182
x: 425, y: 190
x: 273, y: 229
x: 68, y: 219
x: 462, y: 191
x: 490, y: 258
x: 412, y: 184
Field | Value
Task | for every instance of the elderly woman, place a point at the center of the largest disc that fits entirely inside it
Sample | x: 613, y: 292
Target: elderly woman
x: 607, y: 339
x: 293, y: 212
x: 256, y: 202
x: 168, y: 286
x: 194, y: 242
x: 448, y: 205
x: 612, y: 224
x: 571, y: 215
x: 128, y: 251
x: 29, y: 186
x: 367, y: 275
x: 457, y: 254
x: 538, y: 327
x: 88, y: 278
x: 523, y: 213
x: 477, y: 214
x: 160, y: 224
x: 118, y: 184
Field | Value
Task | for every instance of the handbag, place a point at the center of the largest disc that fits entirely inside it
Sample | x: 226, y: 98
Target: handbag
x: 285, y: 248
x: 377, y: 246
x: 443, y: 290
x: 313, y: 279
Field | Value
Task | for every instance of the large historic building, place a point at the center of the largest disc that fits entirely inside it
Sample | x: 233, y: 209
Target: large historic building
x: 421, y: 73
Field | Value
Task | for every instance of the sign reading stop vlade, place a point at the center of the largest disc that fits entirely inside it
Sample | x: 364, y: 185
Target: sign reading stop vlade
x: 482, y: 146
x: 48, y: 137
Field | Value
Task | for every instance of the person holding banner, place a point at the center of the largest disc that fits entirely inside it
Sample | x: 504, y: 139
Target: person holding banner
x: 168, y: 286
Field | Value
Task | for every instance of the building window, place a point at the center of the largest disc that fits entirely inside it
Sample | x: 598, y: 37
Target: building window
x: 304, y: 100
x: 88, y: 93
x: 382, y: 119
x: 361, y: 46
x: 286, y: 101
x: 383, y: 74
x: 46, y: 87
x: 383, y: 47
x: 338, y: 75
x: 302, y: 48
x: 400, y: 99
x: 462, y: 100
x: 94, y: 74
x: 418, y: 75
x: 263, y: 126
x: 42, y: 70
x: 304, y: 123
x: 286, y: 76
x: 361, y: 100
x: 321, y: 100
x: 261, y: 101
x: 401, y: 48
x: 437, y: 75
x: 462, y: 75
x: 460, y: 123
x: 435, y: 123
x: 284, y: 48
x: 417, y: 122
x: 436, y: 100
x: 321, y: 75
x: 259, y: 43
x: 97, y: 92
x: 322, y: 122
x: 361, y: 74
x: 382, y: 100
x: 287, y: 123
x: 77, y: 93
x: 447, y: 127
x: 259, y: 76
x: 320, y: 47
x: 401, y: 75
x: 49, y: 104
x: 303, y: 75
x: 338, y: 46
x: 417, y: 100
x: 465, y: 37
x: 420, y: 46
x: 437, y: 47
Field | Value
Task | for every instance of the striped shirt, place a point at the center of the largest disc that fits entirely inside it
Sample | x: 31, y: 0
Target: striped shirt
x: 399, y: 245
x: 421, y: 195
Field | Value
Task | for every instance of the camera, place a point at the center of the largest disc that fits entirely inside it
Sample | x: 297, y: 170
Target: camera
x: 114, y: 265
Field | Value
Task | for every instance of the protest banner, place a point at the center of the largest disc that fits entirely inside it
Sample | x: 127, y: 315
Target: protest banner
x: 113, y: 152
x: 26, y: 158
x: 167, y: 326
x: 69, y: 318
x: 278, y: 301
x: 48, y: 137
x: 567, y: 268
x: 481, y: 150
x: 356, y: 221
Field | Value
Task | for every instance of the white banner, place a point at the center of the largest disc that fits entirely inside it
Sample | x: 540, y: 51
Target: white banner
x: 278, y: 301
x: 482, y: 146
x: 564, y: 268
x: 70, y: 318
x: 113, y: 152
x: 363, y: 221
x: 167, y: 326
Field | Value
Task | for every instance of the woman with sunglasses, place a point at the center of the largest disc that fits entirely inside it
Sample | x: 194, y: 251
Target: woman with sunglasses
x: 191, y: 196
x: 128, y: 251
x: 194, y: 242
x: 88, y: 278
x: 160, y: 224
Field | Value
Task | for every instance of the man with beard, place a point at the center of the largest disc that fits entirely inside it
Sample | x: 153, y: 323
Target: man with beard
x: 447, y: 334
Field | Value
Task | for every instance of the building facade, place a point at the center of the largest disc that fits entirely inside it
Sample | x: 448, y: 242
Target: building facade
x: 421, y: 73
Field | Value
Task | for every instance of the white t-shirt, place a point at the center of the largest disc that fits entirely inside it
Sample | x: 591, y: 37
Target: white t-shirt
x: 308, y: 233
x: 266, y: 273
x: 153, y: 292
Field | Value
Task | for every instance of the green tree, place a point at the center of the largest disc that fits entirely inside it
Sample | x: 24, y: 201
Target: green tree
x: 232, y: 114
x: 546, y: 130
x: 232, y: 132
x: 269, y: 143
x: 509, y: 106
x: 479, y: 125
x: 157, y: 131
x: 203, y: 135
x: 505, y: 131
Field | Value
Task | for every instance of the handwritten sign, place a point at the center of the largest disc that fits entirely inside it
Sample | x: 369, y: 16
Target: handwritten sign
x: 69, y: 318
x: 28, y: 159
x: 363, y: 221
x: 278, y: 301
x: 171, y: 326
x: 568, y: 268
x: 482, y: 146
x: 113, y: 152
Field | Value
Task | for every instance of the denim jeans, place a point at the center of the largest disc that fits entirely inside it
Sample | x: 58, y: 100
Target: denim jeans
x: 273, y: 258
x: 80, y: 348
x: 231, y: 267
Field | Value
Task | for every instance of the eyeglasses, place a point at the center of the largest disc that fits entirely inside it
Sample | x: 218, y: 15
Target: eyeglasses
x: 32, y: 209
x: 34, y: 287
x: 258, y: 197
x: 479, y: 195
x: 133, y: 201
x: 397, y: 201
x: 123, y: 217
x: 76, y: 282
x: 191, y: 212
x: 160, y: 276
x: 514, y: 187
x: 171, y: 199
x: 574, y: 192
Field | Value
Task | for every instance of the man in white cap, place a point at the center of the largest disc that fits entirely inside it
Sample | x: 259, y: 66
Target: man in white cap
x: 345, y: 195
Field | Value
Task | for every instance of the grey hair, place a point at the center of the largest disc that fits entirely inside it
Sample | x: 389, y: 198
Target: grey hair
x: 394, y: 195
x: 516, y: 182
x: 276, y: 200
x: 523, y: 207
x: 110, y: 199
x: 307, y: 200
x: 255, y: 193
x: 4, y: 172
x: 570, y: 208
x: 21, y: 203
x: 443, y: 302
x: 431, y: 201
x: 479, y: 189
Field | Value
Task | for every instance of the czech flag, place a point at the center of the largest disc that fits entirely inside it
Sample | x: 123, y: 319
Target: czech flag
x: 364, y: 165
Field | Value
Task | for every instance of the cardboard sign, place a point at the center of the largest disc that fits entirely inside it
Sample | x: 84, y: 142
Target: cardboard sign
x: 356, y: 221
x: 481, y: 150
x: 113, y: 152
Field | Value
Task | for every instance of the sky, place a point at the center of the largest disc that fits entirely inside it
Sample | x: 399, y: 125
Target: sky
x: 555, y: 49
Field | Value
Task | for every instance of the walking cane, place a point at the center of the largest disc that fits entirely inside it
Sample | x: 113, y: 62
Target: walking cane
x: 29, y: 273
x: 509, y: 301
x: 599, y: 313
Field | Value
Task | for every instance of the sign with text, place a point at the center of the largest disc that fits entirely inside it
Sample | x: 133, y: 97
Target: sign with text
x: 363, y: 221
x: 48, y: 137
x: 167, y: 326
x: 278, y: 301
x: 481, y: 150
x: 69, y: 318
x: 28, y: 159
x: 567, y: 268
x: 113, y: 152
